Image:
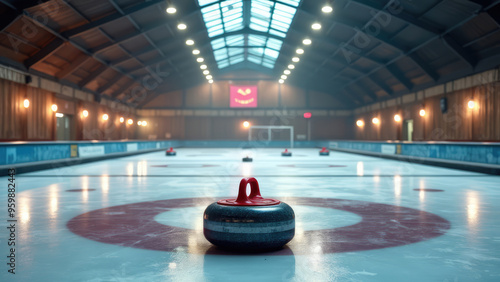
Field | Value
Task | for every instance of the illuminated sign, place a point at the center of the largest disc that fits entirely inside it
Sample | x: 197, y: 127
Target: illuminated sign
x: 243, y: 96
x: 307, y: 115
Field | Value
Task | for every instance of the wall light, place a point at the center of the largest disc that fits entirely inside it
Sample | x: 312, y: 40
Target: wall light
x: 122, y: 119
x: 85, y: 113
x: 422, y: 112
x: 26, y: 103
x: 360, y: 123
x: 471, y: 104
x: 54, y: 108
x: 144, y: 123
x: 105, y: 117
x: 130, y: 121
x: 139, y: 122
x: 397, y: 118
x: 375, y: 120
x: 246, y: 124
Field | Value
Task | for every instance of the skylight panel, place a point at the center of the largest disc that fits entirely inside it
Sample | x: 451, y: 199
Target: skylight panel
x: 271, y: 18
x: 205, y: 2
x: 294, y: 3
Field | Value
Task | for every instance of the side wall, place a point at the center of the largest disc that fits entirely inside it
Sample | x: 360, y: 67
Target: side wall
x: 459, y: 123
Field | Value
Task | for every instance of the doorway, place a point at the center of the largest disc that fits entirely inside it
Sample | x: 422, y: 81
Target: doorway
x: 408, y: 130
x: 63, y: 128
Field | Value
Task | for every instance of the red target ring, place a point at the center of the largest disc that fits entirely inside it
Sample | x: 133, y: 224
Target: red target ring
x: 382, y: 226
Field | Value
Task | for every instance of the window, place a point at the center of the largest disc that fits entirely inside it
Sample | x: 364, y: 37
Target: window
x: 271, y: 17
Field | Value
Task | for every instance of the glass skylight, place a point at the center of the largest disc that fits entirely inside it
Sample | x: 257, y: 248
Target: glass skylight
x: 270, y: 19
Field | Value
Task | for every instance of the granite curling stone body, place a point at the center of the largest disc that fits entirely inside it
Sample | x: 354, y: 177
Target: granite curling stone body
x: 249, y: 223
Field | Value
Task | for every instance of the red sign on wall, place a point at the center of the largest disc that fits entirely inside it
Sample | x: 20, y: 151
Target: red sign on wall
x: 243, y: 96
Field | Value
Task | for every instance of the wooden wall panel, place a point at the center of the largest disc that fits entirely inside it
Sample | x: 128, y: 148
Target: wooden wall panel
x: 459, y: 123
x: 220, y: 94
x: 292, y: 96
x: 167, y: 100
x: 198, y: 96
x: 268, y: 94
x: 322, y: 100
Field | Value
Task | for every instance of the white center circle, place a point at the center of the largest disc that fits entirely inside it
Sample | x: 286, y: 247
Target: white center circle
x: 306, y: 218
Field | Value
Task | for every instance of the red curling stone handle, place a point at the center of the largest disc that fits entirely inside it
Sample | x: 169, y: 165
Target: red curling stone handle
x: 254, y: 199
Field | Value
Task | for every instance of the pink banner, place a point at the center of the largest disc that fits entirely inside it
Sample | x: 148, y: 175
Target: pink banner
x: 243, y: 96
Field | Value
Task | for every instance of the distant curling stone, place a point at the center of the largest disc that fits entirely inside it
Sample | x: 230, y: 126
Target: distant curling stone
x: 286, y: 153
x: 247, y: 159
x: 249, y: 223
x: 324, y: 152
x: 171, y: 152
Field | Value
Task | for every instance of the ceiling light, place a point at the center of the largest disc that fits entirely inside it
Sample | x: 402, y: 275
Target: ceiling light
x: 203, y: 67
x: 196, y: 52
x: 307, y: 41
x: 295, y: 59
x: 287, y: 72
x: 171, y: 10
x: 200, y: 59
x: 181, y: 26
x: 189, y: 42
x: 281, y: 81
x: 283, y: 77
x: 316, y: 26
x: 209, y: 77
x: 300, y: 51
x: 327, y: 9
x: 210, y: 81
x: 291, y: 66
x: 205, y: 72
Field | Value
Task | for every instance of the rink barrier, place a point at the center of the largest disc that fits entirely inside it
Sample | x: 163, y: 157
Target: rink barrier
x: 481, y: 157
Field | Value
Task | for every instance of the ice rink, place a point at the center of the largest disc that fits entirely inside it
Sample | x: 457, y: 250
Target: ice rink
x: 358, y: 218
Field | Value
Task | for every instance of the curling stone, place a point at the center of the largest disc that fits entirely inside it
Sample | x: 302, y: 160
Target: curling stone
x: 286, y: 153
x: 171, y: 152
x: 247, y: 159
x: 324, y: 152
x: 249, y: 223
